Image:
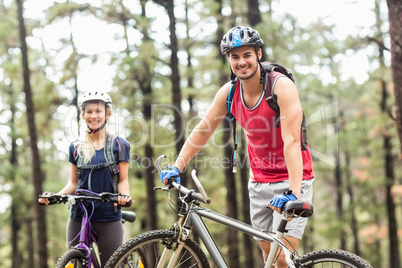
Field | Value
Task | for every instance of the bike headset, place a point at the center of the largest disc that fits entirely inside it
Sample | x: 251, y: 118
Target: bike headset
x: 241, y: 36
x: 95, y: 96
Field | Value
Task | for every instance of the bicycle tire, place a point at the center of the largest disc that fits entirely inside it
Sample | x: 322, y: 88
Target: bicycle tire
x: 332, y: 258
x: 73, y: 258
x: 148, y: 247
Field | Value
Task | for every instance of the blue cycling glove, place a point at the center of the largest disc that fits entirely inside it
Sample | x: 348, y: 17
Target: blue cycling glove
x: 170, y: 172
x: 279, y: 200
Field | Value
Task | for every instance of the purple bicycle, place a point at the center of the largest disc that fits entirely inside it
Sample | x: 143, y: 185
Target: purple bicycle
x: 84, y: 255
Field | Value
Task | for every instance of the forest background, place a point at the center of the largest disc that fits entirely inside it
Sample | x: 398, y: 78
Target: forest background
x: 162, y: 66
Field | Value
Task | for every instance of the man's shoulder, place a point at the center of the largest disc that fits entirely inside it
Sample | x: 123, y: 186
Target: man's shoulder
x: 223, y: 92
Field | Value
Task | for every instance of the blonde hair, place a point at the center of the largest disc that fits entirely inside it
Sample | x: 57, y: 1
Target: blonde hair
x: 86, y: 147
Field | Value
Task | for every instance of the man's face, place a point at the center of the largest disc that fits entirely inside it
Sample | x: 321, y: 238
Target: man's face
x: 244, y: 62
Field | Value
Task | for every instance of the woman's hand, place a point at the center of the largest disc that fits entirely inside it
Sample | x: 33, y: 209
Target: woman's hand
x: 123, y: 199
x: 45, y: 200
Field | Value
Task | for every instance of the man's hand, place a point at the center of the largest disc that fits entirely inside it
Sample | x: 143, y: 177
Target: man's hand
x: 170, y: 172
x: 277, y: 202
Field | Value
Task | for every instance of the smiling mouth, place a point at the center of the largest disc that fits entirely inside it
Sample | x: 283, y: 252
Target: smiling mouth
x: 243, y: 69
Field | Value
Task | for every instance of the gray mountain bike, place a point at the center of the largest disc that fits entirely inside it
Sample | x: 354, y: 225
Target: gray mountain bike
x: 174, y: 247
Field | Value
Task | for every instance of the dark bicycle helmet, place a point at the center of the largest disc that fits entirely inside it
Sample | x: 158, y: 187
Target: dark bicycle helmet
x: 240, y: 36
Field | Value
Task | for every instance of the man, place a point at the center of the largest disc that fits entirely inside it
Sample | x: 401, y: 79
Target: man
x: 280, y: 167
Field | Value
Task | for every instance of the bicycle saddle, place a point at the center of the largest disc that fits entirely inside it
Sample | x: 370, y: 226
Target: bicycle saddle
x: 298, y: 208
x: 129, y: 216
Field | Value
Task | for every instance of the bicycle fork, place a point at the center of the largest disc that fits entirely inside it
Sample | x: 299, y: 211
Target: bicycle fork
x: 176, y: 252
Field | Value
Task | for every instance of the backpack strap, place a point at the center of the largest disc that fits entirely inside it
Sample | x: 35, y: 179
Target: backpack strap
x: 233, y: 123
x: 272, y: 98
x: 108, y: 152
x: 110, y: 160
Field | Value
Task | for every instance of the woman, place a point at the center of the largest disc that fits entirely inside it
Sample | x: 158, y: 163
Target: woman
x: 94, y: 169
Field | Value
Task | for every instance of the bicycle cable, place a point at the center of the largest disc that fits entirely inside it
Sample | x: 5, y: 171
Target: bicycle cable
x: 178, y: 208
x: 294, y: 250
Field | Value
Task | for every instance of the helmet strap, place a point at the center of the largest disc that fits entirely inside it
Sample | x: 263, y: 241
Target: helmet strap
x: 262, y: 73
x: 261, y: 69
x: 232, y: 75
x: 93, y: 131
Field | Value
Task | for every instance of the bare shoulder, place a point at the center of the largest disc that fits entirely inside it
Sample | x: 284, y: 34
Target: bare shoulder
x: 219, y: 103
x: 223, y: 91
x: 286, y: 90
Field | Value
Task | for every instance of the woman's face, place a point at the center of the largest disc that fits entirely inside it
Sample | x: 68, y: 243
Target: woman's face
x: 95, y: 115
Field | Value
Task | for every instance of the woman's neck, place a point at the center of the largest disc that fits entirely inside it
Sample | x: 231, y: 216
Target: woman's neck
x: 98, y: 139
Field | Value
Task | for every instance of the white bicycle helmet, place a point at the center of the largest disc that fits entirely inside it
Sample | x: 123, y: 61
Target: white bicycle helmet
x: 93, y: 96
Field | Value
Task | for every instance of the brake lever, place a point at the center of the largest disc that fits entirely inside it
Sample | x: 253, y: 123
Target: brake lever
x: 161, y: 188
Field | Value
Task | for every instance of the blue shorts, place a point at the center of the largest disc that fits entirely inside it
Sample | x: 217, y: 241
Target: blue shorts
x: 268, y: 220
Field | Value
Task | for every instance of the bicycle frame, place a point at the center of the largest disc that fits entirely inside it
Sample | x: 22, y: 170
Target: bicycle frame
x: 87, y: 255
x: 194, y: 219
x: 87, y: 239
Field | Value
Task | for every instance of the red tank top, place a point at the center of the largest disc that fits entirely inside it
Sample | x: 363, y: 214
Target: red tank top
x: 264, y: 140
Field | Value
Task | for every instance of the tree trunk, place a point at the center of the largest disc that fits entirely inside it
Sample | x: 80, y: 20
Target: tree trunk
x: 390, y: 180
x: 395, y: 21
x: 30, y: 246
x: 175, y: 79
x: 231, y: 200
x: 16, y: 225
x: 395, y: 26
x: 339, y: 192
x: 355, y: 230
x: 253, y: 12
x: 36, y: 169
x: 146, y: 89
x: 249, y: 242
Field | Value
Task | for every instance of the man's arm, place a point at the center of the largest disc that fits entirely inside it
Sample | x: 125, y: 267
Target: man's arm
x: 291, y: 119
x: 201, y: 133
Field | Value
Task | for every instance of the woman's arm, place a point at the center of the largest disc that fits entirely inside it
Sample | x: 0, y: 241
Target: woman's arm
x: 123, y: 186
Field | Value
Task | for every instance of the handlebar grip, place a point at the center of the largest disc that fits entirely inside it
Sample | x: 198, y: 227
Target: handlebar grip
x: 199, y: 197
x: 115, y: 199
x: 128, y: 204
x: 53, y: 199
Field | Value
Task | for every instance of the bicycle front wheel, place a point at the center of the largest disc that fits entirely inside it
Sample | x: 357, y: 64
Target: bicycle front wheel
x: 156, y: 249
x: 73, y: 258
x: 332, y: 258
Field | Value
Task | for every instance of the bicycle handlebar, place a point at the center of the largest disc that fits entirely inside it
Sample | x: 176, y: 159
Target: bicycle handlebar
x: 191, y: 194
x: 104, y: 197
